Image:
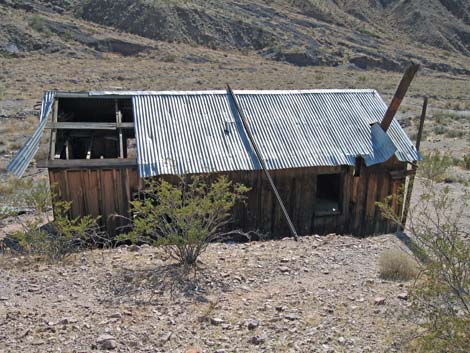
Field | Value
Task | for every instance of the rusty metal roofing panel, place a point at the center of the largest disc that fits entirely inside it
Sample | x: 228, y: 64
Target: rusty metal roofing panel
x: 190, y: 133
x: 23, y: 157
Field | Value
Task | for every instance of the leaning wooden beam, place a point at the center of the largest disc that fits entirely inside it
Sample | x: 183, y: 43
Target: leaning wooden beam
x: 411, y: 181
x: 399, y: 95
x: 261, y: 161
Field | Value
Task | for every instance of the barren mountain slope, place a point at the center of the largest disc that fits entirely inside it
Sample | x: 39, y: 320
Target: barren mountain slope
x: 368, y: 34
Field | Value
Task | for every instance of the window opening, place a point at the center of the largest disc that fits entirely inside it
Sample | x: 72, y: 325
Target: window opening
x: 328, y: 195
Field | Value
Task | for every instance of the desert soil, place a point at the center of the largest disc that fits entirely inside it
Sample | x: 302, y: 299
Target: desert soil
x: 320, y: 294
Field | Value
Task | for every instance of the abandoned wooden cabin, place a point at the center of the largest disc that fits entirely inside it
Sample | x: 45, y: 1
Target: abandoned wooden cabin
x: 325, y: 150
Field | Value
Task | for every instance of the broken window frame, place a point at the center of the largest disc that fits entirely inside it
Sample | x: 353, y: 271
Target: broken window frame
x: 61, y: 156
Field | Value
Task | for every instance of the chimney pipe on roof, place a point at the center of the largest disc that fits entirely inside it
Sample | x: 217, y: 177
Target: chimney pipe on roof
x: 398, y: 97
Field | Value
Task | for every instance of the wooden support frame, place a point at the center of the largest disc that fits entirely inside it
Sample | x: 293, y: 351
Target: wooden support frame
x: 409, y: 189
x: 88, y: 163
x: 89, y: 125
x: 118, y: 123
x: 53, y: 137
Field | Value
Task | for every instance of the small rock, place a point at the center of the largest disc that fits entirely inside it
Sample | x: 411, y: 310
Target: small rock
x: 284, y: 269
x: 291, y: 317
x: 217, y: 321
x: 166, y: 336
x: 116, y: 315
x: 379, y: 301
x: 252, y: 324
x: 194, y: 350
x: 341, y: 340
x: 403, y: 296
x: 257, y: 340
x: 134, y: 248
x: 3, y: 299
x: 284, y: 260
x: 106, y: 342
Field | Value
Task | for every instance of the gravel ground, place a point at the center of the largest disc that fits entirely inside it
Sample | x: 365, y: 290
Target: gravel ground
x: 321, y: 294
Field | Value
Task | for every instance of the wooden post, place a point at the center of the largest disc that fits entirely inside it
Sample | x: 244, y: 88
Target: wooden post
x: 90, y: 146
x: 67, y: 150
x: 52, y: 142
x: 118, y: 122
x: 262, y: 163
x: 409, y: 189
x: 398, y: 97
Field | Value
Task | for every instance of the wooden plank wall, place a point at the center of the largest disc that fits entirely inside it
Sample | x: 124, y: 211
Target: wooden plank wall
x: 373, y: 185
x: 107, y: 191
x: 98, y: 192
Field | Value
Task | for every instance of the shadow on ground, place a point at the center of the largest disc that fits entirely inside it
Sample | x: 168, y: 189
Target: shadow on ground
x: 147, y: 286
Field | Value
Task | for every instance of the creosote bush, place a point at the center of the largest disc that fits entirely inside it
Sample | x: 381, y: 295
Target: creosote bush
x: 441, y: 294
x: 184, y: 217
x: 42, y: 236
x: 434, y: 166
x: 396, y: 265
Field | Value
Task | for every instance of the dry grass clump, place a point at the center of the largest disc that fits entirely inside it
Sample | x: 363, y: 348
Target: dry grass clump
x: 396, y: 265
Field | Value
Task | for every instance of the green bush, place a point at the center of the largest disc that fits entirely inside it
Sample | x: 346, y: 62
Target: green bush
x: 185, y: 217
x: 465, y: 163
x: 44, y: 237
x: 434, y: 166
x: 441, y: 296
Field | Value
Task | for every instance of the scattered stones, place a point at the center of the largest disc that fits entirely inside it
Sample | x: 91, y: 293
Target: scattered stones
x: 107, y: 342
x: 147, y: 311
x: 284, y: 269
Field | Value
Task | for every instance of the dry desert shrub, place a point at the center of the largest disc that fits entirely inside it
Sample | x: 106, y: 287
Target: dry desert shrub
x: 396, y: 265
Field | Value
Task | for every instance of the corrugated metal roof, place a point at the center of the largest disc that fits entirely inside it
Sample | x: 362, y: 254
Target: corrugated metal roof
x: 23, y: 157
x: 183, y: 132
x: 193, y: 133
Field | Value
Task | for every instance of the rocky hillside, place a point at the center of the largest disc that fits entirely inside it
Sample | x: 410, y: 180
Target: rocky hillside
x: 384, y: 34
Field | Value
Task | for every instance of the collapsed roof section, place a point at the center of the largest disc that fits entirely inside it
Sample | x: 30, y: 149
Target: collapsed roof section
x: 180, y: 132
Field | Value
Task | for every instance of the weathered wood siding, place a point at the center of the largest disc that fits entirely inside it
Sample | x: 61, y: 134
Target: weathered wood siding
x: 106, y: 192
x: 98, y: 192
